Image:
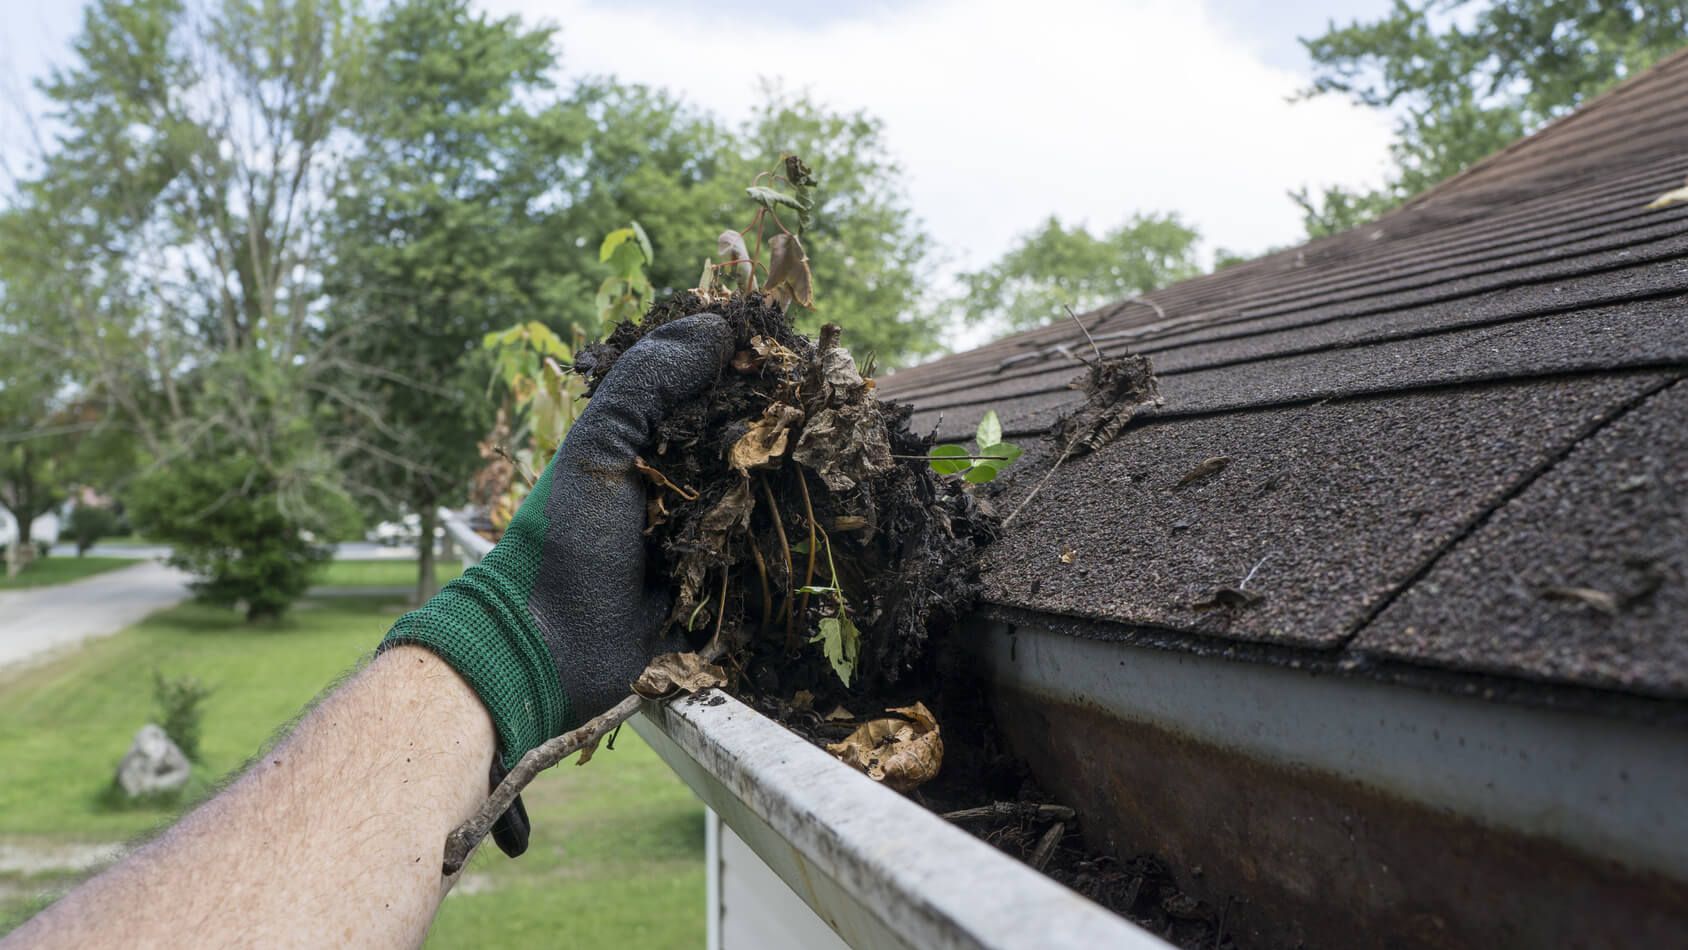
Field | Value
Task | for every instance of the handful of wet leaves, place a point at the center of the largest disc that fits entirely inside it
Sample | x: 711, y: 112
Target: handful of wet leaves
x: 805, y: 531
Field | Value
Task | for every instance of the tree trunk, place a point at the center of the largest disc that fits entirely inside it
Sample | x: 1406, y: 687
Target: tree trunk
x: 427, y: 584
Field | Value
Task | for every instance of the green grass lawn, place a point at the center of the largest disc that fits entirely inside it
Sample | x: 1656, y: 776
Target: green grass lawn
x: 617, y: 851
x: 379, y: 573
x: 47, y: 571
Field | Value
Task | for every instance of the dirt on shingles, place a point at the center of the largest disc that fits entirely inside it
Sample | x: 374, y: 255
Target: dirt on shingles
x: 812, y: 439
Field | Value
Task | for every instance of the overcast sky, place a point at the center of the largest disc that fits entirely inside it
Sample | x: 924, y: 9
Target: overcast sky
x: 1001, y: 112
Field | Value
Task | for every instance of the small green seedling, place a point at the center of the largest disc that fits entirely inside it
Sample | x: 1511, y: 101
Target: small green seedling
x: 979, y: 467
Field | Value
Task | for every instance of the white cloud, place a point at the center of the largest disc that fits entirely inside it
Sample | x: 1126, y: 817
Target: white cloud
x: 1005, y: 111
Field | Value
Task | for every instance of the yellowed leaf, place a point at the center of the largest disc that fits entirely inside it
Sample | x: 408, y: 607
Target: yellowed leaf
x: 670, y: 673
x: 766, y: 440
x: 904, y: 753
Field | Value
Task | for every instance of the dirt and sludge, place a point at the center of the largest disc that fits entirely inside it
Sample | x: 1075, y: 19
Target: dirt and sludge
x: 808, y: 537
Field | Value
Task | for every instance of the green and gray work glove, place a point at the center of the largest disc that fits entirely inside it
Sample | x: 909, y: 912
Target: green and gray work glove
x: 555, y: 623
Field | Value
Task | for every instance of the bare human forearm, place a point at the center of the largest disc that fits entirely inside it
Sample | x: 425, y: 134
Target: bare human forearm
x: 333, y: 839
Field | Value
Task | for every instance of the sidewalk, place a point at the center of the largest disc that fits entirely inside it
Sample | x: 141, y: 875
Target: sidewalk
x: 36, y: 622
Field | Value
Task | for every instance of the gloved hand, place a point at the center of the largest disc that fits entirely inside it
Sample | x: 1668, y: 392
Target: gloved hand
x: 555, y: 623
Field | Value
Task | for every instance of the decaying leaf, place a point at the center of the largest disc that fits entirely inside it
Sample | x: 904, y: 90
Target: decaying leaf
x: 1068, y: 554
x: 766, y: 440
x: 1228, y: 597
x: 839, y: 714
x: 1205, y: 469
x: 904, y: 753
x: 845, y: 446
x: 789, y: 277
x: 1674, y: 196
x: 730, y: 249
x: 1114, y: 389
x: 707, y: 550
x: 671, y: 673
x: 1587, y: 596
x: 769, y: 351
x: 586, y: 752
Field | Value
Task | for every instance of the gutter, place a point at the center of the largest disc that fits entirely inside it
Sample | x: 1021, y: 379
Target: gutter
x: 876, y: 868
x: 1336, y: 809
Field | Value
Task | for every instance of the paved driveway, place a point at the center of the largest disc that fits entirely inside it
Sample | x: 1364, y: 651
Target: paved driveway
x: 37, y: 622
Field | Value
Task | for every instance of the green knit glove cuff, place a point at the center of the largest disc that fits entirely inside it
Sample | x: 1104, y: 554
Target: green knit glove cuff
x: 471, y: 627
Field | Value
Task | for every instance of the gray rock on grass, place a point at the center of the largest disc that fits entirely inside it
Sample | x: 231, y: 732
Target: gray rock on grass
x: 153, y: 765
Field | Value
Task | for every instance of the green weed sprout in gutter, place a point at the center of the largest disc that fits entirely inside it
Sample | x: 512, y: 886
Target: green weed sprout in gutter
x: 984, y: 465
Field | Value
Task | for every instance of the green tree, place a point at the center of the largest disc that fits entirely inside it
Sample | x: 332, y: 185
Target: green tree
x: 1056, y: 267
x: 440, y: 239
x: 1467, y: 78
x: 184, y: 199
x: 871, y: 259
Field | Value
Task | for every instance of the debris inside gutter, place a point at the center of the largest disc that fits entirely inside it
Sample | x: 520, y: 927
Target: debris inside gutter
x: 808, y: 536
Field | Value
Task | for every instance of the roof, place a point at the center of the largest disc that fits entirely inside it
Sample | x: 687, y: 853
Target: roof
x: 1456, y: 438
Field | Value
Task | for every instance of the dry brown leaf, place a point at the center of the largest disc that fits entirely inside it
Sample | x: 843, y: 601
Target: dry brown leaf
x: 902, y: 753
x: 1587, y: 596
x: 707, y: 549
x: 802, y: 701
x: 839, y: 714
x: 1068, y: 554
x: 678, y: 672
x: 788, y: 270
x: 1207, y: 468
x: 766, y: 440
x: 1672, y: 197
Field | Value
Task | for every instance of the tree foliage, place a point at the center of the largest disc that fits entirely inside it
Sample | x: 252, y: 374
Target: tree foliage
x: 1056, y: 267
x: 1468, y: 77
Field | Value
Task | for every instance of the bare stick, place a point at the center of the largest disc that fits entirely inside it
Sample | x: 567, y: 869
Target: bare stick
x: 1033, y: 494
x: 1252, y: 570
x: 1037, y: 812
x: 809, y: 511
x: 1086, y: 333
x: 462, y: 841
x: 779, y: 529
x: 762, y: 572
x: 465, y: 837
x: 515, y: 463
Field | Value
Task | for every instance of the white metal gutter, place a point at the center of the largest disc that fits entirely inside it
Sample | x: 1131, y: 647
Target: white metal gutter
x: 879, y: 869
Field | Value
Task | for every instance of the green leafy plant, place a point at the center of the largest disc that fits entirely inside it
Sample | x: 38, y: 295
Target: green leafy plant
x: 179, y: 701
x: 992, y: 455
x: 626, y: 293
x: 840, y: 641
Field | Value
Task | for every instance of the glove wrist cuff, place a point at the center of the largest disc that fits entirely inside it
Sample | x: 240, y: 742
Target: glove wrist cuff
x: 470, y: 626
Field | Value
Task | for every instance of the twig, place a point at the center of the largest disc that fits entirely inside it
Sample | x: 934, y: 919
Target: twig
x: 516, y: 463
x: 762, y: 572
x: 809, y: 512
x: 939, y: 458
x: 1041, y: 482
x: 721, y: 611
x: 465, y: 837
x: 1046, y: 845
x: 1037, y: 812
x: 1252, y: 570
x: 1086, y: 332
x: 462, y: 841
x: 779, y: 529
